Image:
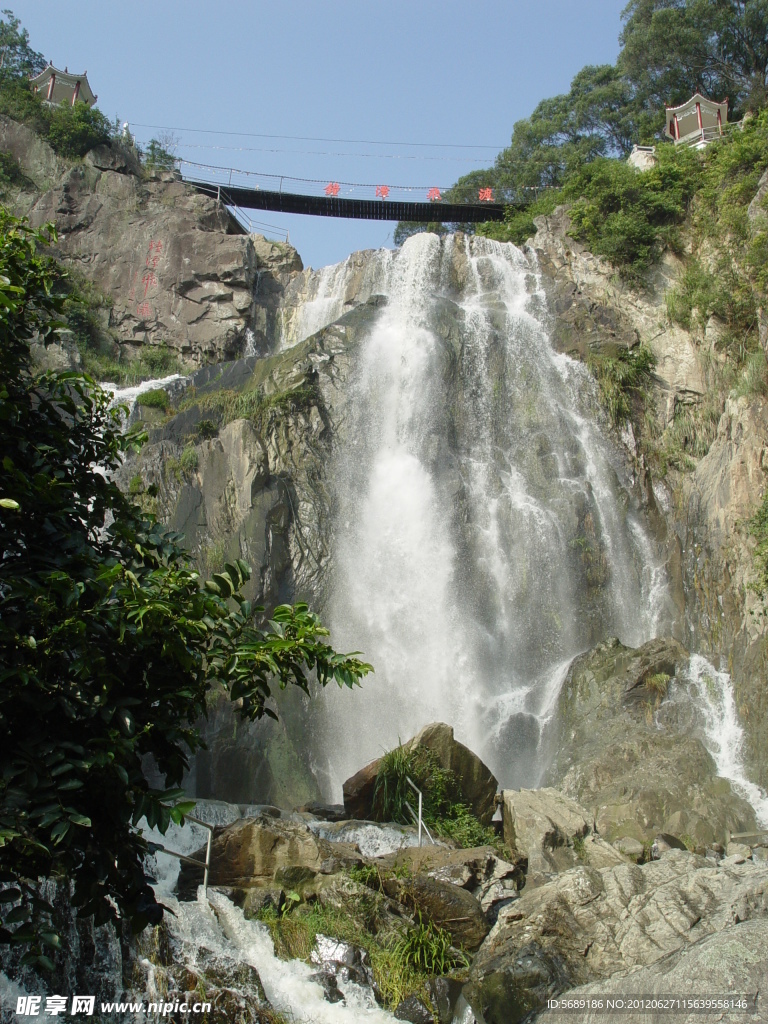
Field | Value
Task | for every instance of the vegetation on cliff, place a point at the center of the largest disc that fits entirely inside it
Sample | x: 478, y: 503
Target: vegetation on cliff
x: 443, y: 809
x: 109, y: 641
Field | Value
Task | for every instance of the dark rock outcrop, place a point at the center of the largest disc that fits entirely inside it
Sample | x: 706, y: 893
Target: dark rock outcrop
x: 257, y: 851
x: 446, y: 905
x: 476, y: 783
x: 625, y: 755
x: 587, y: 925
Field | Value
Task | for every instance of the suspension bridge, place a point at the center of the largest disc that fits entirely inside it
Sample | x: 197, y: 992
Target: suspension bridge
x: 249, y: 190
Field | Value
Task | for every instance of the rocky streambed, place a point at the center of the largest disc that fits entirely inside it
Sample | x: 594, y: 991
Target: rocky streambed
x: 558, y: 904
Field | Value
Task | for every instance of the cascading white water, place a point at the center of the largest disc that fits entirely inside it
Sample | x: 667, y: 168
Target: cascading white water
x: 212, y: 927
x: 483, y: 535
x: 711, y: 693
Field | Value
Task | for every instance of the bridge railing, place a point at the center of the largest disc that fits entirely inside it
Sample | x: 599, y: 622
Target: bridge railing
x: 230, y: 177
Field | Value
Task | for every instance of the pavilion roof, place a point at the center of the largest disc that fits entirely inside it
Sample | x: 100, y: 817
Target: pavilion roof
x: 64, y: 85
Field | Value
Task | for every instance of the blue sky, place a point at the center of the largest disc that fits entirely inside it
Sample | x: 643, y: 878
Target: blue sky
x: 453, y: 75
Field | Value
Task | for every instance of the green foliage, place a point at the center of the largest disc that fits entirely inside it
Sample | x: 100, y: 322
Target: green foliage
x: 153, y: 361
x: 109, y: 641
x: 206, y: 430
x: 758, y: 528
x: 518, y: 225
x: 580, y: 849
x: 157, y: 398
x: 671, y: 47
x: 754, y: 379
x: 427, y: 948
x: 189, y: 460
x: 157, y: 158
x: 227, y: 405
x: 628, y: 216
x: 71, y: 130
x: 17, y: 58
x: 442, y: 807
x: 460, y: 824
x: 11, y: 175
x: 392, y: 789
x: 690, y: 435
x: 658, y: 684
x: 621, y: 378
x: 74, y: 130
x: 17, y: 101
x: 294, y: 934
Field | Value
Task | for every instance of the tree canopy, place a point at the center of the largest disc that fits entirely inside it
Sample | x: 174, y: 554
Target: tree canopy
x: 109, y: 640
x: 17, y: 58
x: 669, y: 48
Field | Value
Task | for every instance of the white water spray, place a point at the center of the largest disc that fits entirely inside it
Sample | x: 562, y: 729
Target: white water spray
x: 723, y: 735
x: 483, y: 535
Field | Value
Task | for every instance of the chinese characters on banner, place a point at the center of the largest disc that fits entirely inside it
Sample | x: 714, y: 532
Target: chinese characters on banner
x: 434, y: 195
x: 149, y: 282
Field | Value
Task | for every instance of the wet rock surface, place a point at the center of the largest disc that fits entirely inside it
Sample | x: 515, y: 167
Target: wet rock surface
x: 254, y: 851
x: 476, y: 783
x: 552, y: 832
x: 587, y: 924
x: 616, y: 753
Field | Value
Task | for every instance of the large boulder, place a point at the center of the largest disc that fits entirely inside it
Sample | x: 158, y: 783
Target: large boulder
x: 476, y: 782
x: 586, y: 925
x: 359, y: 789
x: 732, y: 962
x: 443, y: 904
x: 257, y: 851
x: 552, y: 832
x: 493, y: 881
x: 633, y: 759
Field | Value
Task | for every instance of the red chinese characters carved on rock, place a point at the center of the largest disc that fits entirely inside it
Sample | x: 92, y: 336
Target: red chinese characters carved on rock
x: 434, y: 195
x: 382, y: 191
x: 485, y: 195
x: 332, y: 188
x: 149, y: 279
x: 153, y: 253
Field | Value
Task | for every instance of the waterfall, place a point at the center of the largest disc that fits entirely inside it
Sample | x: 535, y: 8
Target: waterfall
x: 483, y: 533
x: 711, y: 695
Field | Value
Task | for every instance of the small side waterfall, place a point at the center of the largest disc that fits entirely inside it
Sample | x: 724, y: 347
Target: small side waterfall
x: 483, y: 533
x: 709, y: 693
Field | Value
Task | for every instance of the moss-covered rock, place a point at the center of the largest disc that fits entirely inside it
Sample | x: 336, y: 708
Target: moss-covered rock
x: 613, y: 752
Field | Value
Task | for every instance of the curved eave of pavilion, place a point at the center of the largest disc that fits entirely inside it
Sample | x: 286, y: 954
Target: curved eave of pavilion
x: 712, y: 105
x: 40, y: 83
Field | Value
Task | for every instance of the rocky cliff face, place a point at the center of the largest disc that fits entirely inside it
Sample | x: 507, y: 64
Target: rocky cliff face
x: 241, y: 468
x: 178, y: 269
x: 701, y: 514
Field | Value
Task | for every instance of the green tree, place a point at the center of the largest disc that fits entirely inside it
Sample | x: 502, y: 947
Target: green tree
x: 671, y: 47
x: 74, y: 130
x: 109, y: 640
x: 17, y: 58
x: 158, y: 157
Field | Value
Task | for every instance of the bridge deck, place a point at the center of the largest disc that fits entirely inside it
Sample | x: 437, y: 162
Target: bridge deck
x: 358, y: 209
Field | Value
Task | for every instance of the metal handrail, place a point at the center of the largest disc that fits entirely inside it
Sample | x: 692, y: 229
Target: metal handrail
x: 191, y: 860
x: 419, y: 818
